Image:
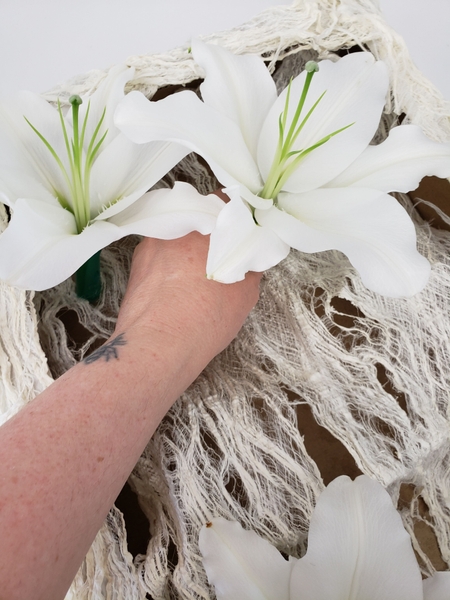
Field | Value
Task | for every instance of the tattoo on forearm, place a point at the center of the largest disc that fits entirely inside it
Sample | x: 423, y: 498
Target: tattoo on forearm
x: 108, y: 351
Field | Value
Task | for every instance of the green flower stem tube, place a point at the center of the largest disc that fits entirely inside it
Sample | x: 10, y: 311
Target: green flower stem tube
x: 87, y: 278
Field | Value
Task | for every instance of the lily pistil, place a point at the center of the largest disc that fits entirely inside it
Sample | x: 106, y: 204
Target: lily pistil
x: 80, y: 162
x: 286, y: 160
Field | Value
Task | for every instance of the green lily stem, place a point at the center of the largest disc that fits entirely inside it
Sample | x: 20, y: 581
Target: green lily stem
x: 88, y: 283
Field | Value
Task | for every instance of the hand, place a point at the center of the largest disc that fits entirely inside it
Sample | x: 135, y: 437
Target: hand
x: 169, y: 294
x: 67, y: 454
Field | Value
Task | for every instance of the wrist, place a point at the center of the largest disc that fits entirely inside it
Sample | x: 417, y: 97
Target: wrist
x: 155, y: 360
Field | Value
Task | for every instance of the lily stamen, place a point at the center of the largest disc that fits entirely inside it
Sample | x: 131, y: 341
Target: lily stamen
x: 311, y: 67
x: 78, y: 179
x: 284, y: 164
x: 290, y: 168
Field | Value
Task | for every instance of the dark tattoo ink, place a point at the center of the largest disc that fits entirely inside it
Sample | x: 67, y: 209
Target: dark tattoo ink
x: 108, y: 351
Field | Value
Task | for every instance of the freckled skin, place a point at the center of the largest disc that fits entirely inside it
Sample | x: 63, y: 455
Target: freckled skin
x: 66, y: 456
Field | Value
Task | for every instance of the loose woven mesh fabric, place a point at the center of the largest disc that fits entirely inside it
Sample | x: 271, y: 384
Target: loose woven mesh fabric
x: 373, y: 371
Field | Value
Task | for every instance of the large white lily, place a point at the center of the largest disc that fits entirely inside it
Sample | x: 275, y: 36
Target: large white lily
x: 357, y: 550
x: 75, y: 184
x: 297, y: 167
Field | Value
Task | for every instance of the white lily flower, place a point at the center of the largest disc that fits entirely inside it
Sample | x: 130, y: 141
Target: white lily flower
x: 358, y: 549
x: 75, y: 184
x: 298, y: 168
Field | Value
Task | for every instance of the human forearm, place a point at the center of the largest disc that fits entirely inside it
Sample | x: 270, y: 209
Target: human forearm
x: 65, y: 457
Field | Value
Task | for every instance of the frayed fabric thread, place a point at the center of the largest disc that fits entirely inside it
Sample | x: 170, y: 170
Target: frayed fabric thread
x: 231, y: 445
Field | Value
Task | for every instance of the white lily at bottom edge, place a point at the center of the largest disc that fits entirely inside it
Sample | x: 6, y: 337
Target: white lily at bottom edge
x: 358, y: 549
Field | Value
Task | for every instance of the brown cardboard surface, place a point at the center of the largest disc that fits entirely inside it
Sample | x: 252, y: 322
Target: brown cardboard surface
x: 436, y: 191
x: 332, y: 458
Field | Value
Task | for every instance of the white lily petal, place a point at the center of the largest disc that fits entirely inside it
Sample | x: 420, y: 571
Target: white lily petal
x: 108, y: 95
x: 239, y: 245
x: 42, y: 245
x: 437, y: 587
x: 17, y: 182
x: 124, y: 171
x: 184, y: 119
x: 241, y: 565
x: 239, y: 87
x: 357, y: 548
x: 398, y: 164
x: 248, y: 196
x: 24, y: 158
x: 371, y: 229
x: 355, y: 88
x: 170, y: 213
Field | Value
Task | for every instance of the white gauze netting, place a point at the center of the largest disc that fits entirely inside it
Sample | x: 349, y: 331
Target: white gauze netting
x: 374, y: 371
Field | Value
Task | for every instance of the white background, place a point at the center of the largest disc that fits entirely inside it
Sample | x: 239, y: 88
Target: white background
x: 45, y: 42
